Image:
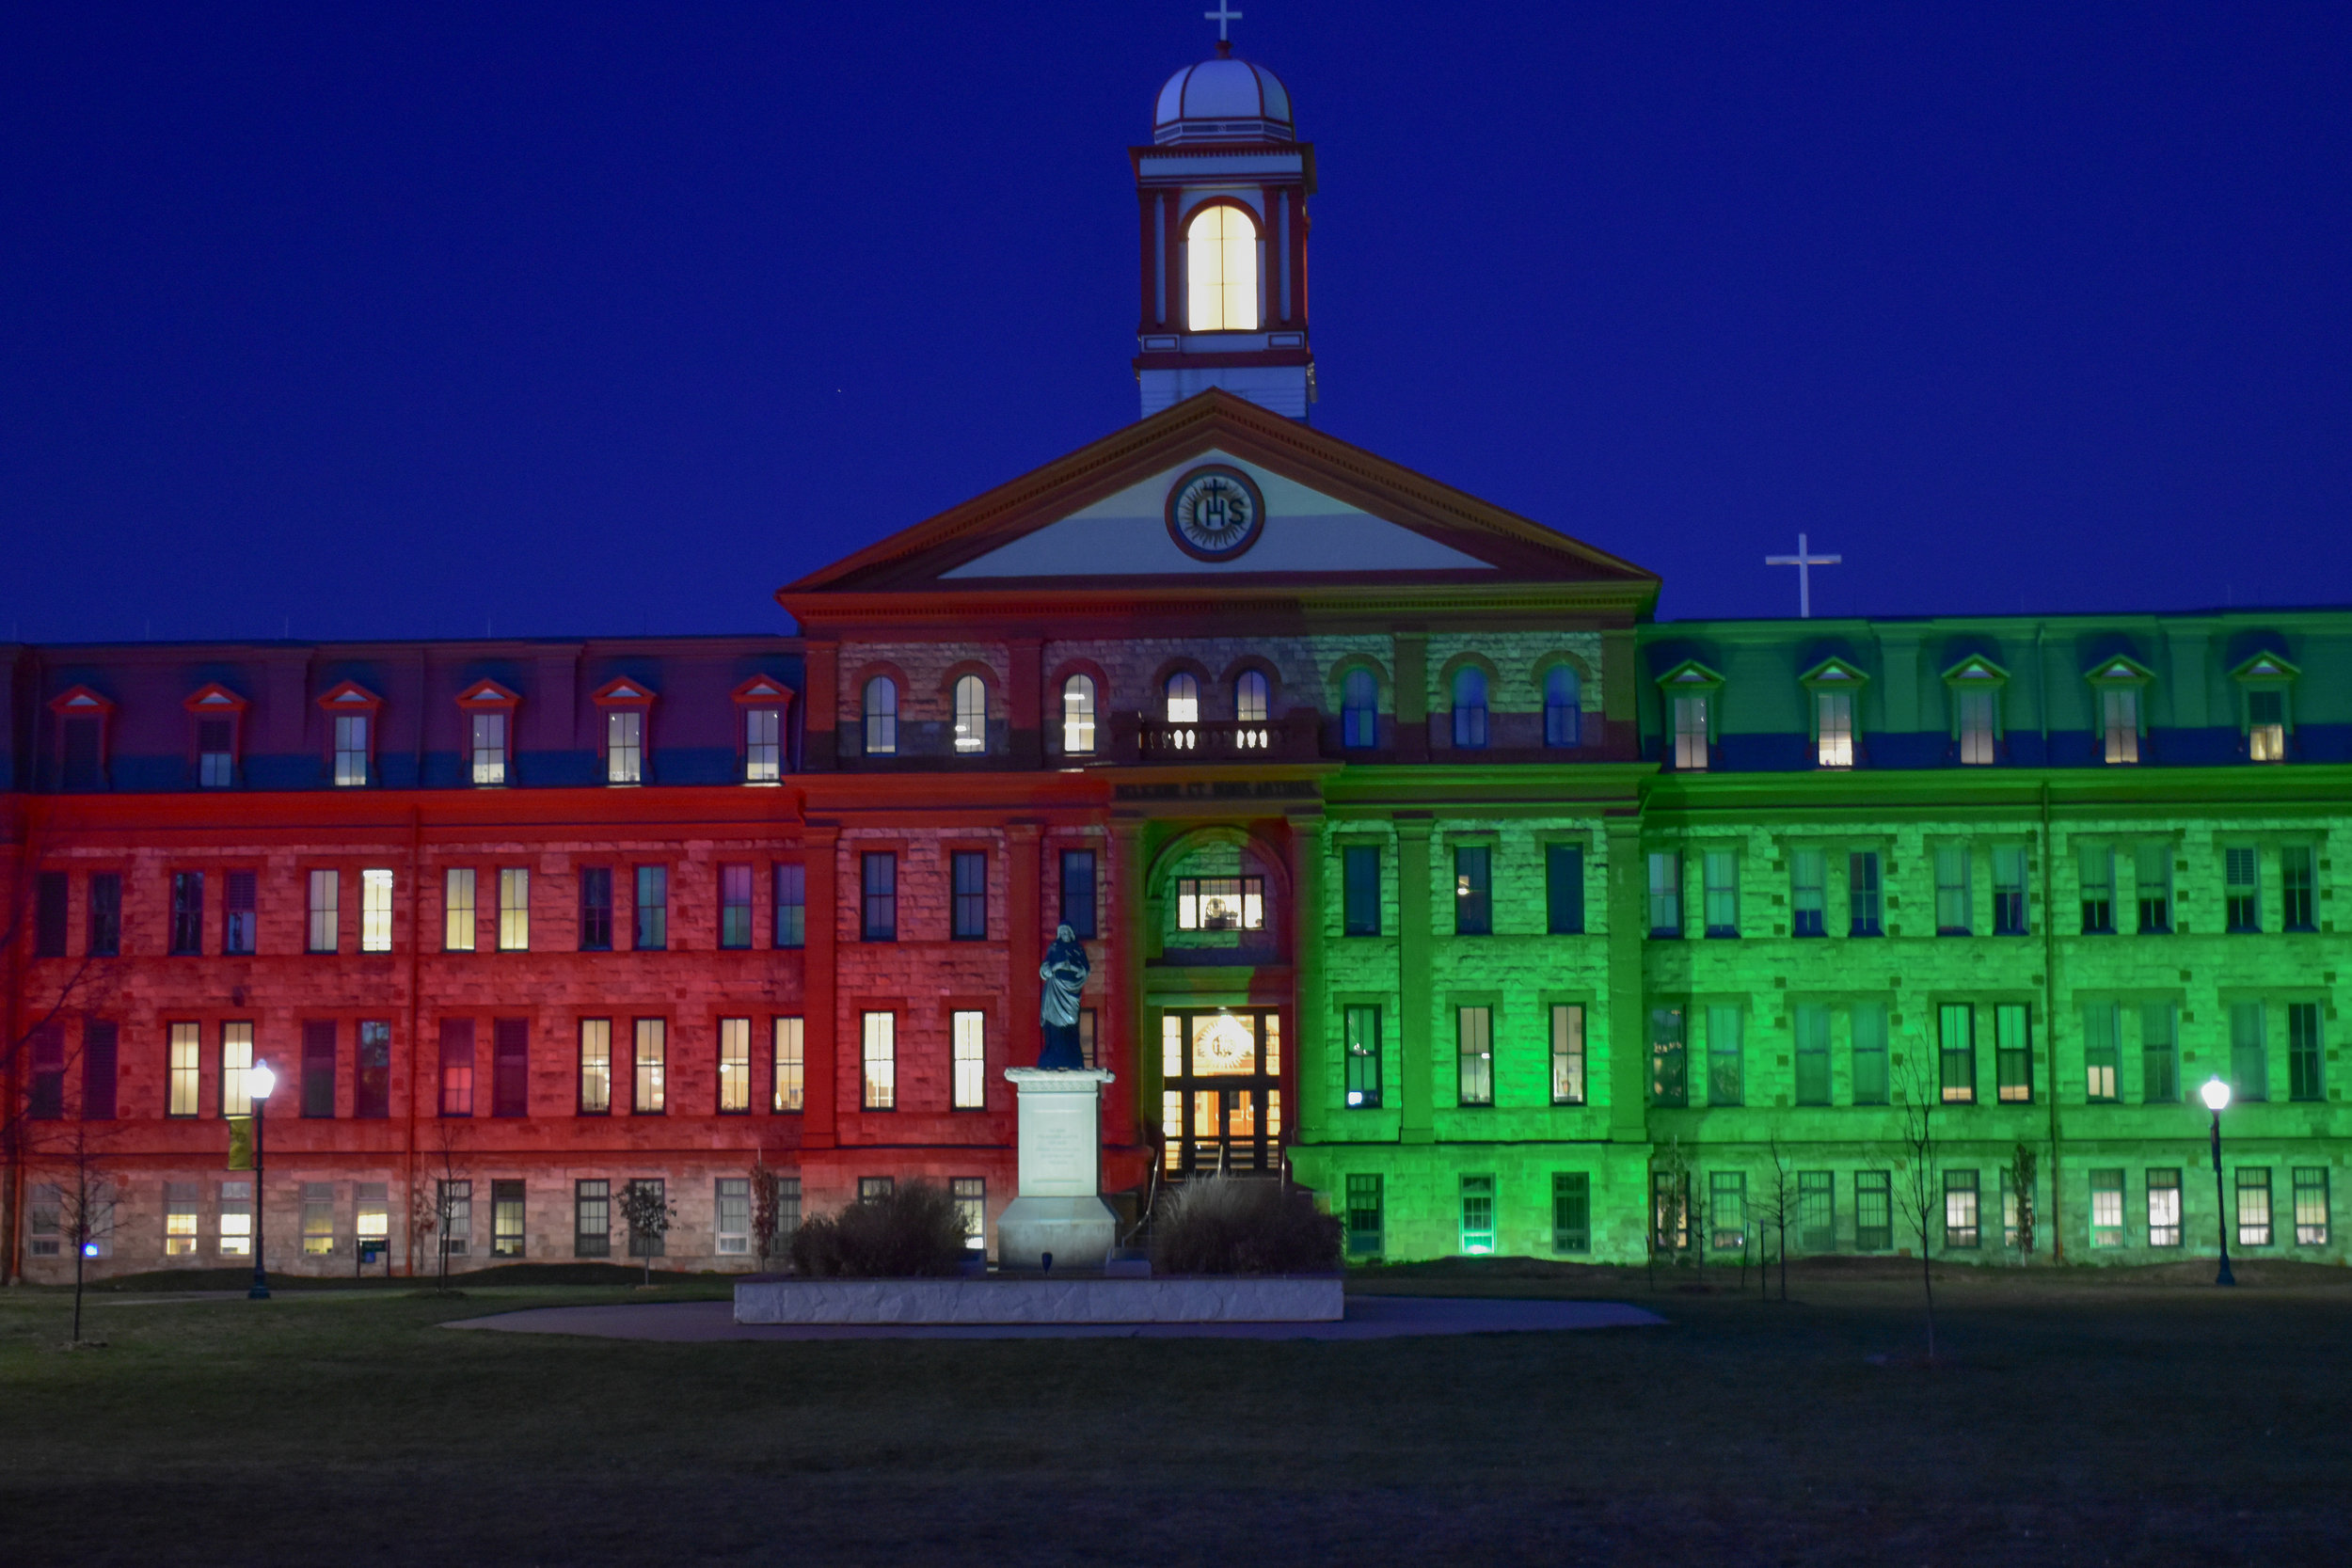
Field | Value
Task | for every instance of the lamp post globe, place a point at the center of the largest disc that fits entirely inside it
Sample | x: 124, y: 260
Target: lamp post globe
x: 259, y: 1083
x: 2216, y: 1094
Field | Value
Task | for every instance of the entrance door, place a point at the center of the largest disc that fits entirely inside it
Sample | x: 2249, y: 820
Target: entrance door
x: 1221, y: 1100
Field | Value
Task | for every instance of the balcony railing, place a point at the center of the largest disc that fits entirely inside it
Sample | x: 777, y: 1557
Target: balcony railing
x: 1228, y: 740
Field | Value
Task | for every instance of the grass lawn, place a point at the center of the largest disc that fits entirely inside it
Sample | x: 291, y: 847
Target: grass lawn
x: 2125, y: 1417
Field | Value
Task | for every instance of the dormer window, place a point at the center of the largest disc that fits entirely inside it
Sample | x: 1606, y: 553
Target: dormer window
x: 1078, y: 716
x: 1836, y: 686
x: 1974, y: 684
x: 219, y: 714
x: 351, y: 750
x: 489, y: 711
x: 1359, y: 710
x: 1687, y: 693
x: 1183, y: 699
x: 626, y: 706
x: 1469, y: 707
x: 351, y: 711
x: 82, y: 718
x: 1221, y: 266
x: 762, y: 701
x: 2117, y: 686
x: 1250, y: 697
x: 971, y: 715
x: 2267, y: 682
x: 881, y: 716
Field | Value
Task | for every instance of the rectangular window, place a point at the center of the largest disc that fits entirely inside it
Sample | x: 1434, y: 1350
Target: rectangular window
x: 507, y: 1218
x: 970, y: 914
x: 654, y: 1243
x: 513, y: 909
x: 1564, y: 890
x: 2267, y: 726
x: 1726, y: 1210
x: 1868, y: 1021
x: 489, y: 748
x: 1833, y: 713
x: 1077, y: 892
x: 787, y: 1205
x: 1670, y: 1211
x: 318, y: 1218
x: 101, y: 1070
x: 970, y: 1041
x: 187, y: 913
x: 376, y: 910
x: 2009, y: 891
x: 351, y: 750
x: 1478, y: 1214
x: 1220, y: 903
x: 1359, y: 881
x: 731, y: 1215
x: 2013, y: 1053
x: 1813, y: 1077
x: 595, y: 1066
x: 1364, y: 1217
x: 1862, y: 893
x: 2119, y: 719
x: 1952, y: 914
x: 372, y: 1083
x: 1976, y: 728
x: 763, y: 745
x: 236, y: 1219
x: 2159, y: 1053
x: 50, y: 913
x: 2250, y: 1052
x: 236, y: 1060
x: 1959, y: 1208
x: 326, y: 915
x: 591, y: 1219
x: 596, y: 908
x: 1665, y: 892
x: 624, y: 746
x: 105, y: 915
x: 1363, y: 1057
x: 2106, y: 1208
x: 791, y: 905
x: 509, y: 1066
x: 2103, y: 1050
x: 650, y: 1093
x: 879, y: 1051
x: 2254, y: 1206
x: 735, y: 907
x: 1474, y: 891
x: 1725, y: 1084
x: 653, y: 909
x: 1721, y: 871
x: 2294, y: 889
x: 1956, y: 1036
x: 1873, y: 1210
x: 318, y: 1068
x: 2097, y: 862
x: 2303, y: 1073
x: 1567, y: 1053
x: 2164, y: 1207
x: 1571, y: 1211
x: 2151, y: 877
x: 2241, y: 874
x: 873, y: 1189
x: 970, y: 1195
x: 457, y: 1066
x: 1691, y: 734
x: 1808, y: 893
x: 1817, y: 1211
x: 186, y: 1069
x: 457, y: 910
x: 1474, y: 1052
x: 735, y: 1066
x: 1669, y: 1077
x: 2310, y: 1206
x: 879, y: 888
x: 788, y: 1066
x: 215, y: 754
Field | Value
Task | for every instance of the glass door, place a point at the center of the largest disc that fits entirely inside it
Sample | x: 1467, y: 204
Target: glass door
x: 1221, y: 1096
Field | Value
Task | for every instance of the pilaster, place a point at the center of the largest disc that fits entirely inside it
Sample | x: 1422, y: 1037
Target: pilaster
x: 1417, y: 1113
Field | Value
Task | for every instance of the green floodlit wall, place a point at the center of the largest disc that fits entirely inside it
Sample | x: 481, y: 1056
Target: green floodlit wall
x: 1422, y: 1142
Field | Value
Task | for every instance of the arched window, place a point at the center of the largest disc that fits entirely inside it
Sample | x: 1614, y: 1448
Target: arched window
x: 881, y: 716
x: 1221, y: 262
x: 1183, y: 699
x: 1250, y: 697
x: 1470, y: 707
x: 1077, y: 714
x: 1563, y: 705
x: 1359, y: 710
x: 970, y: 713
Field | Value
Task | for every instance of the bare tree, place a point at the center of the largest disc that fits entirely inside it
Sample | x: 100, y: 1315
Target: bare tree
x: 767, y: 1206
x: 1918, y: 1195
x: 1774, y: 1209
x: 71, y: 1160
x: 87, y: 984
x: 2023, y: 1167
x: 433, y: 1203
x: 1670, y: 1205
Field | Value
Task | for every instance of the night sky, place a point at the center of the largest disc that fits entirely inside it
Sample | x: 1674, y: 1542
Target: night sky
x: 361, y: 322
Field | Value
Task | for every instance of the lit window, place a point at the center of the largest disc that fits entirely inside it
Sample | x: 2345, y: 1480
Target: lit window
x: 735, y: 1065
x: 2119, y: 719
x: 2012, y: 1054
x: 788, y: 1065
x: 1220, y: 903
x: 2254, y: 1206
x: 1077, y: 714
x: 971, y: 715
x: 351, y: 750
x: 1956, y: 1029
x: 2103, y: 1050
x: 1563, y: 705
x: 1478, y: 1214
x: 1475, y: 1048
x: 1363, y: 1057
x: 1359, y: 710
x: 318, y: 1217
x: 513, y: 909
x: 1469, y: 707
x: 1834, y: 711
x: 507, y: 1212
x: 2106, y: 1208
x: 457, y: 912
x: 325, y: 922
x: 881, y: 716
x: 971, y: 1060
x: 236, y: 1060
x: 1250, y: 698
x: 376, y: 910
x: 1959, y: 1208
x: 879, y: 1054
x: 1567, y: 1054
x: 236, y: 1219
x: 624, y: 746
x: 1691, y: 734
x: 2164, y: 1207
x: 651, y: 1087
x: 1183, y: 699
x: 595, y: 1066
x: 970, y: 1194
x: 763, y: 745
x: 186, y: 1069
x: 2310, y: 1206
x: 1221, y: 263
x: 457, y: 1066
x: 1977, y: 727
x: 489, y: 748
x: 215, y: 753
x: 2266, y: 727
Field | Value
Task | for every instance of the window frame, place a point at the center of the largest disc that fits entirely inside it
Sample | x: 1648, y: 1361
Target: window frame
x: 213, y: 704
x: 624, y: 749
x: 350, y: 767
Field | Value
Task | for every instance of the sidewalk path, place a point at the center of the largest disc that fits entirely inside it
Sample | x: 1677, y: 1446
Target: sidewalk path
x: 1368, y: 1318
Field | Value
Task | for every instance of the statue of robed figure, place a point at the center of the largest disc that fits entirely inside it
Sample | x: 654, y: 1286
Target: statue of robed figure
x: 1064, y: 972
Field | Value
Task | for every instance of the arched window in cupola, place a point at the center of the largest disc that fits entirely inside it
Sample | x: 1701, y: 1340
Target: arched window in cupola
x: 1221, y: 264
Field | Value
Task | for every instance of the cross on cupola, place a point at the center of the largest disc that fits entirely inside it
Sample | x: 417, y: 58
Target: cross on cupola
x: 1804, y: 561
x: 1221, y: 16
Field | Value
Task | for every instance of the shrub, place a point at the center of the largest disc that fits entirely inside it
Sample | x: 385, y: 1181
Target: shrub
x: 1222, y: 1224
x: 913, y: 1230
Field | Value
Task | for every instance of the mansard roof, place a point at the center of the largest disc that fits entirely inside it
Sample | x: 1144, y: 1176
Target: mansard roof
x: 1341, y: 526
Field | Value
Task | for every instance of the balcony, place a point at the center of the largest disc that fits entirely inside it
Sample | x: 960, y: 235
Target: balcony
x: 1295, y: 738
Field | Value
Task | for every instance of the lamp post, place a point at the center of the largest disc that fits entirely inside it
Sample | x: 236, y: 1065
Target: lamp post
x: 2215, y: 1095
x: 258, y: 1082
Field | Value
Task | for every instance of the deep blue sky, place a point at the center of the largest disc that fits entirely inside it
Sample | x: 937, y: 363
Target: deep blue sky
x: 385, y: 322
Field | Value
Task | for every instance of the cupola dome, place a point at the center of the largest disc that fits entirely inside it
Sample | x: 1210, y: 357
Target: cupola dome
x: 1223, y: 100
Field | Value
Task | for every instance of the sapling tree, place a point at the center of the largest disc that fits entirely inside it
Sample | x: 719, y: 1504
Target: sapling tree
x: 1918, y: 1195
x: 1774, y: 1209
x: 647, y: 1211
x: 86, y: 1199
x: 1670, y: 1222
x: 2023, y: 1166
x: 767, y: 1206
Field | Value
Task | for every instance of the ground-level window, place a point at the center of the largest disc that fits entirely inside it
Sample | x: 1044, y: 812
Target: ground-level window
x: 456, y: 1218
x: 2254, y: 1206
x: 971, y: 1198
x: 591, y: 1219
x: 1817, y: 1211
x: 2164, y: 1207
x: 1571, y: 1211
x: 236, y: 1219
x: 2106, y: 1208
x: 2310, y: 1206
x: 46, y: 1221
x: 318, y: 1219
x: 1364, y: 1217
x: 732, y: 1214
x: 648, y: 1242
x: 1478, y: 1214
x: 1959, y: 1208
x: 180, y: 1219
x: 371, y: 1220
x: 506, y: 1219
x: 1728, y: 1209
x: 1221, y: 1075
x: 1873, y: 1210
x: 873, y: 1189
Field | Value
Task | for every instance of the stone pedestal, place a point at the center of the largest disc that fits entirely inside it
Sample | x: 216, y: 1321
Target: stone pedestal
x: 1059, y: 1209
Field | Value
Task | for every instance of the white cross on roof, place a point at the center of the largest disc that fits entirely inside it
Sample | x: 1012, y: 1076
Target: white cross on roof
x: 1804, y: 561
x: 1223, y: 14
